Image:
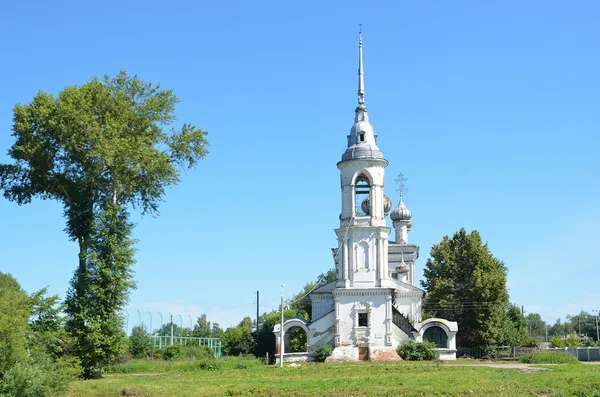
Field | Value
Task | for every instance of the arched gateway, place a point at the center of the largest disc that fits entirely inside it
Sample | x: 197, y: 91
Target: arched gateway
x: 290, y: 352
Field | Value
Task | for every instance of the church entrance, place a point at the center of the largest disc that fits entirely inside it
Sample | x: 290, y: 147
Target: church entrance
x: 363, y: 353
x: 436, y: 335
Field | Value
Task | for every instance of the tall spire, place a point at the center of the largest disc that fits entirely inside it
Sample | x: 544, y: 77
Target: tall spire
x: 361, y: 72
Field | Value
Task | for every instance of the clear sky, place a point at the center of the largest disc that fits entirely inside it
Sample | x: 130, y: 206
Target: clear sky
x: 491, y: 109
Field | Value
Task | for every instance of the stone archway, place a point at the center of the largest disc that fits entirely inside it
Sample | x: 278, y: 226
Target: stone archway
x: 441, y: 332
x: 289, y: 326
x: 296, y: 340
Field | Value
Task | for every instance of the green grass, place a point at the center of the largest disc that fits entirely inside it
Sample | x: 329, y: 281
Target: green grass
x: 548, y: 357
x: 252, y: 378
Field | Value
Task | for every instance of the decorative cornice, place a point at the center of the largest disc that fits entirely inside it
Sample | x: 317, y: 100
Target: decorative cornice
x: 362, y: 292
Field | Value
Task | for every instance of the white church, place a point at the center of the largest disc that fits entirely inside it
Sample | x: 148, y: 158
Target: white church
x: 374, y: 305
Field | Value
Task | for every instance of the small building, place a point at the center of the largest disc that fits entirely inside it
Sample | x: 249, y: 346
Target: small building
x: 374, y: 305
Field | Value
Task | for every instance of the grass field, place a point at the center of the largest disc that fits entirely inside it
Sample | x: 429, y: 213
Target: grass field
x: 237, y: 377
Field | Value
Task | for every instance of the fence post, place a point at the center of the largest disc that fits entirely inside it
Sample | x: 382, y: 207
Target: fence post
x: 588, y: 351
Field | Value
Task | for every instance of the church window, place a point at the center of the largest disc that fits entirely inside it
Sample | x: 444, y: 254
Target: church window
x: 362, y: 137
x: 362, y: 190
x: 363, y: 319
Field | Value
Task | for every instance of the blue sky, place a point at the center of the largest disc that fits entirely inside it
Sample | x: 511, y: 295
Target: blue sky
x: 491, y: 109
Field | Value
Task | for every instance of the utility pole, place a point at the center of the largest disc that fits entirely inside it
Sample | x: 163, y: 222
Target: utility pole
x: 281, y: 346
x: 597, y: 329
x: 257, y: 304
x: 546, y: 333
x: 171, y: 329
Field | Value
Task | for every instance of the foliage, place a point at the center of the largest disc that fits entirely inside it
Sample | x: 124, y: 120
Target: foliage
x: 29, y: 365
x: 548, y: 357
x: 47, y: 325
x: 97, y: 149
x: 265, y: 339
x: 202, y: 328
x: 211, y: 365
x: 182, y: 352
x: 94, y: 317
x: 464, y: 282
x: 239, y: 340
x: 298, y: 342
x: 413, y: 351
x: 514, y: 329
x: 529, y: 341
x: 322, y: 352
x: 140, y: 342
x: 536, y: 326
x: 14, y: 314
x: 301, y: 302
x: 570, y: 341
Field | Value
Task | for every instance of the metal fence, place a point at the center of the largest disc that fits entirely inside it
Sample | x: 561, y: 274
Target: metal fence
x: 513, y: 352
x: 582, y: 353
x: 214, y: 344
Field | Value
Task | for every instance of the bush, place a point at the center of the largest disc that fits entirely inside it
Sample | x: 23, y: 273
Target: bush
x: 184, y: 352
x: 211, y: 365
x: 172, y: 352
x: 322, y: 352
x: 529, y: 341
x: 413, y: 351
x: 548, y: 357
x: 29, y: 379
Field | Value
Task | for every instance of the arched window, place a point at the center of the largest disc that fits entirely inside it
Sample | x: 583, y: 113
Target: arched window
x: 436, y: 335
x: 362, y: 190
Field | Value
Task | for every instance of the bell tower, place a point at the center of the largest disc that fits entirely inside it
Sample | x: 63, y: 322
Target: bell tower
x: 363, y: 234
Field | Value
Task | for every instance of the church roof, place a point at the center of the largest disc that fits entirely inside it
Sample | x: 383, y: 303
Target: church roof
x: 326, y: 289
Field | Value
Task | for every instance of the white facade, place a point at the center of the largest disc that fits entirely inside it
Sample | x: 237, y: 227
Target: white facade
x: 373, y: 306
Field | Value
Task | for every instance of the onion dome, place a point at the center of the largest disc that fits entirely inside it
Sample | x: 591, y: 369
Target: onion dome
x: 403, y: 268
x: 401, y: 213
x: 366, y: 205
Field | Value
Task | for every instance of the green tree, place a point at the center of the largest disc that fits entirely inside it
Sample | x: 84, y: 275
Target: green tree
x: 100, y: 143
x: 583, y: 323
x: 202, y: 328
x: 14, y: 314
x: 100, y: 339
x: 464, y: 282
x: 47, y: 324
x: 239, y: 340
x: 216, y: 331
x: 266, y: 339
x: 536, y: 326
x: 140, y: 342
x: 514, y: 330
x: 301, y: 301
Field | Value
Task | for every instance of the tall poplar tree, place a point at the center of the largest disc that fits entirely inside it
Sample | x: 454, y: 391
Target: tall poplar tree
x: 98, y: 149
x: 465, y: 283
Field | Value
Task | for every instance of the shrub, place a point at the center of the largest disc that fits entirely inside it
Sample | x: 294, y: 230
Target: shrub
x: 38, y: 379
x: 211, y: 365
x: 529, y: 341
x: 322, y: 352
x: 413, y: 351
x: 172, y: 352
x: 548, y: 357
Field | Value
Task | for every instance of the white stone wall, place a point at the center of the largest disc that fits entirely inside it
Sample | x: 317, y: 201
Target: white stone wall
x: 321, y: 305
x: 347, y: 318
